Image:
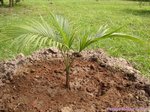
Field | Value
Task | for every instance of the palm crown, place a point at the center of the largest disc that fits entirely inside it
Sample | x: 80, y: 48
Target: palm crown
x: 60, y: 34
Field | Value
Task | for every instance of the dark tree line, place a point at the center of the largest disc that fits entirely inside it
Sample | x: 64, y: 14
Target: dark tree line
x: 11, y: 2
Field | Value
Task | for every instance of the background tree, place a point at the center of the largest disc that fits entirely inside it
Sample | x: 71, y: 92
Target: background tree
x: 11, y: 2
x: 2, y: 2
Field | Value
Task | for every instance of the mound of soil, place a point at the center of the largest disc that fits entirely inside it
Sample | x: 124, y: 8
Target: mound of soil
x: 98, y: 83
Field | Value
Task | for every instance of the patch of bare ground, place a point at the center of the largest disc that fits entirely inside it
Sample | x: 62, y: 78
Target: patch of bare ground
x: 98, y: 82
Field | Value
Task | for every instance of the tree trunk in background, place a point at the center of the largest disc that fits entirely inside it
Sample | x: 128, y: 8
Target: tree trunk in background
x: 11, y: 3
x: 2, y: 2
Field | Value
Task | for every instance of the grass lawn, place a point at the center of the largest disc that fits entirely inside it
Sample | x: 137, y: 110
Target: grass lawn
x: 87, y: 13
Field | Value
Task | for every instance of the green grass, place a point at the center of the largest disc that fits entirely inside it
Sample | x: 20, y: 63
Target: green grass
x: 88, y: 13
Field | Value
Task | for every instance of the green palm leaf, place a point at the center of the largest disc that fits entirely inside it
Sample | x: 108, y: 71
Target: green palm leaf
x: 87, y: 40
x: 62, y: 27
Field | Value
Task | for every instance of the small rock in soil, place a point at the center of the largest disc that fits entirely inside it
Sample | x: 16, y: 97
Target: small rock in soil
x: 66, y: 109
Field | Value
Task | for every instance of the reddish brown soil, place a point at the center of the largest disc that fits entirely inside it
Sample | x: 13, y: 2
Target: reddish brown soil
x: 40, y: 87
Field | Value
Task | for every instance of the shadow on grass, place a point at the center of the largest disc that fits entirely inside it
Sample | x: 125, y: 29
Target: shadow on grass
x: 138, y: 12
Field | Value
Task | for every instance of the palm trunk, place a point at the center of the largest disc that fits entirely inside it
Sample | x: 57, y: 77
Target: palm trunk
x: 68, y: 77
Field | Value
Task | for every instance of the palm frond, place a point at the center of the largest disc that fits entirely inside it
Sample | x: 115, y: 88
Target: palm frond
x: 101, y: 31
x: 87, y: 40
x: 4, y: 38
x: 130, y: 37
x: 64, y: 30
x: 39, y: 27
x: 39, y: 33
